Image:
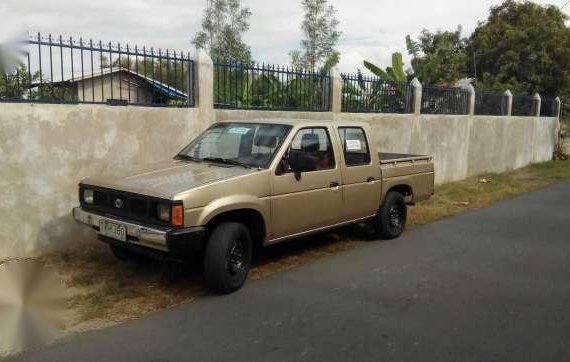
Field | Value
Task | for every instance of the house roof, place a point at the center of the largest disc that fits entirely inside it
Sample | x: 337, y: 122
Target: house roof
x: 153, y: 83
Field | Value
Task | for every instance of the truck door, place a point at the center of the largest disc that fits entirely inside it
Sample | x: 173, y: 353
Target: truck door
x: 362, y: 186
x: 313, y: 198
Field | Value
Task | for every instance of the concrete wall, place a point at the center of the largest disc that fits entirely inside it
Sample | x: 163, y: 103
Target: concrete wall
x: 462, y: 146
x: 46, y: 149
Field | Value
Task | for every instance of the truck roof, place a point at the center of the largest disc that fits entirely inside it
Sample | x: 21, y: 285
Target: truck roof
x: 295, y: 122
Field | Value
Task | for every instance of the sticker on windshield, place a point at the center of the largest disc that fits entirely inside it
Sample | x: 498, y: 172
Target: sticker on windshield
x: 239, y: 130
x: 353, y: 145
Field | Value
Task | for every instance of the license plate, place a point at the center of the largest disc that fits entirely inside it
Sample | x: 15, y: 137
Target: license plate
x: 112, y: 230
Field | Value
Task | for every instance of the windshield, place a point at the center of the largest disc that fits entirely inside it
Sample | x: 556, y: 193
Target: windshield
x: 247, y: 144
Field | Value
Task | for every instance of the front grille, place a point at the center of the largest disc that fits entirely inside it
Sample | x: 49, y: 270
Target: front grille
x: 124, y: 204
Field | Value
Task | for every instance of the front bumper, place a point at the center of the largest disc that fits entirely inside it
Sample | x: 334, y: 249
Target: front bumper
x: 175, y: 241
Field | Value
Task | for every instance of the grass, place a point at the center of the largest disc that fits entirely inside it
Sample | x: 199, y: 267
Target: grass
x: 105, y: 291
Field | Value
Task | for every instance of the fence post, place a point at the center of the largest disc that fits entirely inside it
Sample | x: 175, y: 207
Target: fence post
x: 471, y: 91
x: 558, y: 107
x: 204, y: 83
x: 336, y: 91
x: 509, y: 96
x: 537, y: 104
x: 417, y: 99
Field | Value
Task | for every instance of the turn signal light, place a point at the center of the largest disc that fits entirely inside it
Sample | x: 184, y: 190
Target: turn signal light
x: 177, y: 215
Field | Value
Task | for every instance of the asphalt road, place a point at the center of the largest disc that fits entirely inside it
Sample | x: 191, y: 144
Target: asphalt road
x: 489, y: 285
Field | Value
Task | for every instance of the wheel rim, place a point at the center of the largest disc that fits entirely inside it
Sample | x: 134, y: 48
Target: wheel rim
x: 396, y: 214
x: 237, y: 258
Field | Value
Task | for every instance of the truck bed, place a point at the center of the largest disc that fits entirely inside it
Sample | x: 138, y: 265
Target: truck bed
x: 416, y: 170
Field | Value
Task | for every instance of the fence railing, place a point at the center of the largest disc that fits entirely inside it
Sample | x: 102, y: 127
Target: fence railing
x: 361, y: 94
x: 445, y: 100
x: 57, y: 70
x: 548, y: 107
x: 524, y: 106
x: 491, y: 103
x: 268, y: 87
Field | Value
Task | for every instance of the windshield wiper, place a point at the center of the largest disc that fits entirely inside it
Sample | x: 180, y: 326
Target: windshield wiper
x: 184, y: 157
x: 226, y: 161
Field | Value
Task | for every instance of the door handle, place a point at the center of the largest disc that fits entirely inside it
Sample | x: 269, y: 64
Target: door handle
x: 370, y: 179
x: 334, y: 184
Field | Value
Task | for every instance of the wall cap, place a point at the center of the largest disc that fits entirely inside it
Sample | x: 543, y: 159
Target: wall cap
x: 202, y: 56
x: 416, y: 83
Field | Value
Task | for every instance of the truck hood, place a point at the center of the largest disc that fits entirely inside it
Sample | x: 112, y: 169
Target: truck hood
x: 166, y: 179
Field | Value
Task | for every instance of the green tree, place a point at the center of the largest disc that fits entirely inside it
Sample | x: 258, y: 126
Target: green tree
x: 387, y: 92
x: 438, y: 57
x: 18, y: 83
x: 524, y: 47
x: 395, y: 73
x: 223, y: 25
x: 320, y: 30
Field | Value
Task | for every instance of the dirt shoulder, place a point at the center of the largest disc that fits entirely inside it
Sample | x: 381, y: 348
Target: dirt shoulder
x: 105, y: 291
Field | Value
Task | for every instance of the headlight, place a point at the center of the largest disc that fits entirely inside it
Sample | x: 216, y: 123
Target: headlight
x: 163, y: 212
x: 88, y: 196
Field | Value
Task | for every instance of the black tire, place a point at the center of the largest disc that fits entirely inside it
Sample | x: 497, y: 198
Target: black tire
x: 390, y: 220
x: 227, y: 259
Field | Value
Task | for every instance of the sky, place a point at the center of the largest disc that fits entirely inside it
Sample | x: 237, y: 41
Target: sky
x: 371, y: 29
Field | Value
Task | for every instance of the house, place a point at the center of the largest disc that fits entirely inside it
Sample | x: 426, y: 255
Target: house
x: 119, y: 85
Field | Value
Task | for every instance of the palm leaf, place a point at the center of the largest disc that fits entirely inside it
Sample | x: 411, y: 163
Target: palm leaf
x: 377, y: 71
x: 398, y: 67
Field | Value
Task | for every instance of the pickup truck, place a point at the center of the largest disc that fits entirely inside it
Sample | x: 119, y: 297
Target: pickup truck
x: 245, y: 184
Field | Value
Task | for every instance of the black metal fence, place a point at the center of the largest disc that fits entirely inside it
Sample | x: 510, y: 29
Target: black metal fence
x: 268, y: 87
x: 57, y: 70
x: 548, y: 107
x: 361, y: 94
x: 524, y: 106
x: 491, y: 103
x: 445, y: 100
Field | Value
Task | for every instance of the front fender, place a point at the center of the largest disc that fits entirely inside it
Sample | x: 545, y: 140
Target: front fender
x: 233, y: 203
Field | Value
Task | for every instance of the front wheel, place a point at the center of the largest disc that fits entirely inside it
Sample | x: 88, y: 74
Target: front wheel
x: 227, y: 259
x: 390, y: 221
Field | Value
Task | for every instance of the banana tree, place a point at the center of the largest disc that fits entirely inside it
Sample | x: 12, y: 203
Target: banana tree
x: 388, y: 92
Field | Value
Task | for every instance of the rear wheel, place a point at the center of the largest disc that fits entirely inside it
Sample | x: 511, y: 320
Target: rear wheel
x: 227, y: 259
x: 390, y: 221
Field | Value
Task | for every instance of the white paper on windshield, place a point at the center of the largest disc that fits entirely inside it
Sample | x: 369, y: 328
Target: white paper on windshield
x: 353, y: 145
x: 239, y: 130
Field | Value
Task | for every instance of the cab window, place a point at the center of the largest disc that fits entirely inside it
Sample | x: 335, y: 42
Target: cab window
x: 311, y: 150
x: 355, y: 146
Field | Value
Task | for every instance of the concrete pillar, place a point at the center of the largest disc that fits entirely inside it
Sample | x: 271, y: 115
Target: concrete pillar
x: 537, y: 104
x: 471, y: 91
x: 558, y: 107
x: 417, y: 98
x: 204, y: 85
x: 336, y: 91
x: 509, y: 96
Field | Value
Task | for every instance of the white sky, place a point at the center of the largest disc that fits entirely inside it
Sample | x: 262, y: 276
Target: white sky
x: 372, y: 29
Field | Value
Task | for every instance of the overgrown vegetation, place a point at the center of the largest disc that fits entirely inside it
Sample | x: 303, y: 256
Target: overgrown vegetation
x: 105, y: 290
x: 521, y: 46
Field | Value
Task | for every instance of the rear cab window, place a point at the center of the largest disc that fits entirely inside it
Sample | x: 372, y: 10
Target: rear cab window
x: 354, y: 146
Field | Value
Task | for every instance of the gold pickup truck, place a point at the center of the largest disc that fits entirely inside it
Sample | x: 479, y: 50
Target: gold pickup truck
x: 242, y: 185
